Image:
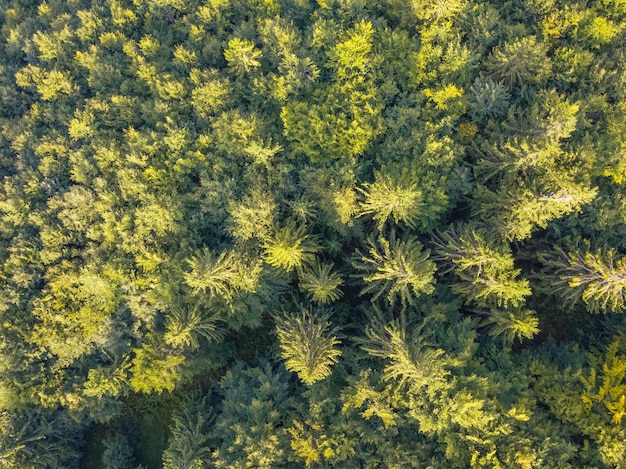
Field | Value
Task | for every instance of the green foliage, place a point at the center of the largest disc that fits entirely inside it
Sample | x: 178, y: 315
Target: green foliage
x: 225, y: 275
x: 485, y: 269
x: 156, y: 367
x: 488, y: 99
x: 308, y: 344
x: 118, y: 453
x: 38, y: 439
x: 515, y: 214
x: 290, y: 248
x: 387, y: 198
x: 252, y: 217
x: 174, y: 172
x: 412, y: 361
x: 609, y: 387
x: 396, y: 268
x: 242, y: 56
x: 250, y: 429
x: 321, y: 283
x: 189, y: 442
x: 417, y: 149
x: 520, y: 61
x: 340, y: 127
x: 512, y: 325
x: 184, y: 325
x: 350, y: 57
x: 598, y: 278
x: 210, y: 95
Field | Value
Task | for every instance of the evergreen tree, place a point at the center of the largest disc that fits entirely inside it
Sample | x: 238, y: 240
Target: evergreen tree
x: 253, y: 217
x: 387, y: 198
x: 290, y: 248
x: 488, y: 99
x: 484, y: 267
x: 597, y: 278
x: 511, y: 325
x: 225, y: 275
x: 38, y: 439
x: 397, y: 268
x: 242, y: 56
x: 184, y: 325
x: 308, y: 344
x: 156, y: 366
x: 516, y: 213
x: 118, y: 453
x: 520, y: 61
x: 321, y: 283
x: 411, y: 359
x: 173, y: 171
x: 189, y: 443
x: 255, y: 410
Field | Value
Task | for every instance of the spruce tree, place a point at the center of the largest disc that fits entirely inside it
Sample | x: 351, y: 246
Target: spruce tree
x: 308, y: 344
x: 595, y: 277
x: 396, y: 268
x: 321, y: 283
x: 483, y: 265
x: 290, y: 248
x: 189, y: 445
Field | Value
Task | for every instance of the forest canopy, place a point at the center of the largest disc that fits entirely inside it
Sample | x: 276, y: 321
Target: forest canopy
x: 312, y: 233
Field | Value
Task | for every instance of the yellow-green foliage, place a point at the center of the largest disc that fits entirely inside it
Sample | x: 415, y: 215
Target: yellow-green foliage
x: 321, y: 283
x: 174, y: 173
x: 290, y: 248
x: 386, y: 198
x: 308, y: 344
x: 396, y: 268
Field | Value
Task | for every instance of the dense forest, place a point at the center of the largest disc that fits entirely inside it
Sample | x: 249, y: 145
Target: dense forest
x: 312, y: 233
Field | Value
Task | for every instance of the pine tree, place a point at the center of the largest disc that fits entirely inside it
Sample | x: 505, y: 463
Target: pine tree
x: 411, y: 359
x: 38, y: 439
x: 118, y: 454
x: 516, y: 213
x: 156, y: 366
x: 511, y: 324
x: 488, y: 99
x: 184, y: 326
x: 250, y: 429
x: 606, y: 384
x: 308, y: 344
x: 520, y: 61
x: 223, y: 276
x: 242, y: 56
x: 252, y: 217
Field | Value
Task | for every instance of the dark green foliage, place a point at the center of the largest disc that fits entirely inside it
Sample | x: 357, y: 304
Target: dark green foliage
x: 447, y: 176
x: 250, y: 429
x: 118, y: 453
x: 38, y: 440
x: 520, y: 61
x: 488, y: 99
x: 189, y: 440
